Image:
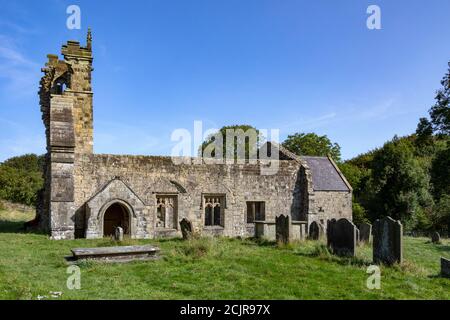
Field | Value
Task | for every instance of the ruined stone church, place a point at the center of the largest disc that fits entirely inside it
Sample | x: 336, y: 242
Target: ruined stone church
x: 87, y: 195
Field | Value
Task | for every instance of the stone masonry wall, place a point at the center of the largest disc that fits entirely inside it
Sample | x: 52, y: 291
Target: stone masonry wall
x: 148, y: 176
x: 325, y: 205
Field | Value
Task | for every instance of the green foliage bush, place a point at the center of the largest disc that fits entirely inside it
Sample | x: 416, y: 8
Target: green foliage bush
x: 359, y: 213
x: 21, y: 179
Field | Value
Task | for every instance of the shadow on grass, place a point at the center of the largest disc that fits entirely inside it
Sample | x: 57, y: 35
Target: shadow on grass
x: 323, y: 253
x: 7, y: 226
x: 443, y: 247
x: 259, y: 242
x: 438, y: 276
x: 175, y: 239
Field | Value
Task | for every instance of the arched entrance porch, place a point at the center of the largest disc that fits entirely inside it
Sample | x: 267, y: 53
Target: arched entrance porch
x: 116, y: 215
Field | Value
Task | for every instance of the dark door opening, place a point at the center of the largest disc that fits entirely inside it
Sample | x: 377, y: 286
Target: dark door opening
x: 116, y: 216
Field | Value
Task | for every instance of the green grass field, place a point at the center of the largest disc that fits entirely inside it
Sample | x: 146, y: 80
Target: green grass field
x: 33, y: 266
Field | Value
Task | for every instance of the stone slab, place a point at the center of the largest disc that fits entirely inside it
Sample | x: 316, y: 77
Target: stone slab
x: 127, y: 253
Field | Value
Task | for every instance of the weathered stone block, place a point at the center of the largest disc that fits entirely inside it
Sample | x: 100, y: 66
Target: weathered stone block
x: 387, y: 241
x: 299, y: 230
x: 265, y: 229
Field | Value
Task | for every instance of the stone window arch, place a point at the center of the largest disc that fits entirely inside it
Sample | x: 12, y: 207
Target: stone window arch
x: 166, y: 211
x: 214, y: 210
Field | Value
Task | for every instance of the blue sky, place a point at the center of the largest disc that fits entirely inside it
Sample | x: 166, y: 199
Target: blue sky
x: 294, y: 65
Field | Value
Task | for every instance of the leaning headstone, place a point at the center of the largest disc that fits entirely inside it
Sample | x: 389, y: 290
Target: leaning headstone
x: 435, y: 237
x: 341, y: 237
x: 282, y: 229
x: 445, y: 267
x: 387, y: 241
x: 357, y: 235
x: 186, y: 228
x: 316, y: 231
x: 365, y: 232
x: 118, y: 234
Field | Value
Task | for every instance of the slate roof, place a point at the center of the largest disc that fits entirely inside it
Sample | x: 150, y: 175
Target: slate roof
x: 325, y: 177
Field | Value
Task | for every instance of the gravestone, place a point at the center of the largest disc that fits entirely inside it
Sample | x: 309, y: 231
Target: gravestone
x: 365, y: 232
x: 282, y: 229
x: 118, y: 234
x: 445, y: 267
x: 316, y: 231
x: 186, y: 229
x: 387, y: 241
x: 357, y: 235
x: 341, y: 237
x: 435, y: 237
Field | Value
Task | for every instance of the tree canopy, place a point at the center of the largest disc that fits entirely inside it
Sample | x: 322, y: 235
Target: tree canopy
x: 440, y: 111
x: 311, y: 144
x: 244, y: 135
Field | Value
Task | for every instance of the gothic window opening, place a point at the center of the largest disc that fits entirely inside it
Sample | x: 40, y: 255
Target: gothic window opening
x: 256, y: 211
x: 214, y: 210
x: 166, y: 212
x: 61, y: 84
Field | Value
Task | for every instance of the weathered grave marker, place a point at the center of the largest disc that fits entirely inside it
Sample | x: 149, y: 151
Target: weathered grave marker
x: 315, y: 231
x: 435, y: 237
x: 387, y: 241
x: 445, y: 267
x: 341, y: 237
x: 118, y: 234
x: 282, y: 229
x: 365, y: 232
x: 186, y: 228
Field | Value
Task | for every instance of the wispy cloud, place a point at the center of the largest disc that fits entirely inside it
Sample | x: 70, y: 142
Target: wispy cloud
x: 348, y: 115
x: 20, y: 75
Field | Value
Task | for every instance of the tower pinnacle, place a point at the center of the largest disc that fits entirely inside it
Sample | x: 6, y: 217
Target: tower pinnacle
x: 89, y: 39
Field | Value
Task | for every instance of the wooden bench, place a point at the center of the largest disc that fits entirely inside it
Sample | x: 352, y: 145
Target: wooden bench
x: 116, y: 254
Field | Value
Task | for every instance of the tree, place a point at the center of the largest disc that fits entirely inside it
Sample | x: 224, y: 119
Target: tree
x: 424, y: 135
x: 19, y: 186
x: 28, y: 162
x: 440, y: 172
x: 440, y: 112
x: 21, y: 178
x: 400, y: 183
x: 311, y: 144
x: 244, y: 136
x: 359, y: 213
x: 441, y: 214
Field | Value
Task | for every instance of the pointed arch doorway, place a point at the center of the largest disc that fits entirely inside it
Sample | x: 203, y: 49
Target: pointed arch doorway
x: 116, y: 215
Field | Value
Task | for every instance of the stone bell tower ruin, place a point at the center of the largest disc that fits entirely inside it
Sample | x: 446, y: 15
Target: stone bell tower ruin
x: 66, y: 105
